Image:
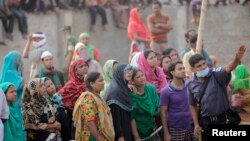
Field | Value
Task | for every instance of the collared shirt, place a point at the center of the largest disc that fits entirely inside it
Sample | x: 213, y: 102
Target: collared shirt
x: 215, y: 99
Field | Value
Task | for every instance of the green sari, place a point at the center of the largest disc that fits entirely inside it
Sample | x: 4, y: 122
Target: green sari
x: 144, y: 109
x: 242, y: 78
x: 13, y: 126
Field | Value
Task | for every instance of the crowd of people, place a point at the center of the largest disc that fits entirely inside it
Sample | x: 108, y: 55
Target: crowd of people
x: 16, y: 9
x: 159, y: 89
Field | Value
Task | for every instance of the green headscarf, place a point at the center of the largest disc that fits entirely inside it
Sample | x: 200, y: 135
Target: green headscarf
x: 144, y: 109
x: 108, y: 74
x: 89, y: 47
x: 13, y: 126
x: 241, y: 80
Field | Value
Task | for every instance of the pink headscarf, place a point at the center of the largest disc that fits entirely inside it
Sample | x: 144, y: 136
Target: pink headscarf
x: 136, y: 25
x: 158, y: 78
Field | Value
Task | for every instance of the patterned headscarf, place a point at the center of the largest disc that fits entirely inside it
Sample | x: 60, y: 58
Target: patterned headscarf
x: 74, y: 87
x: 34, y: 107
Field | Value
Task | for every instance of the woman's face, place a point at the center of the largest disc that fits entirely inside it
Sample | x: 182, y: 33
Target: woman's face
x: 152, y: 60
x: 50, y: 87
x: 42, y: 90
x: 11, y: 94
x: 165, y: 62
x: 174, y: 55
x: 139, y: 79
x: 115, y: 65
x: 82, y: 69
x: 98, y: 85
x: 85, y: 40
x: 128, y: 75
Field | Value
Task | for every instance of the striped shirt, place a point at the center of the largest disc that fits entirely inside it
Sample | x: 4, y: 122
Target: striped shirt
x: 153, y: 20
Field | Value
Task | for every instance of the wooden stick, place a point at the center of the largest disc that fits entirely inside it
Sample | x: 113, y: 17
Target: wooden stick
x: 201, y: 26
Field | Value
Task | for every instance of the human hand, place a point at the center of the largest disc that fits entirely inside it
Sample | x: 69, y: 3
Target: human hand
x: 121, y: 139
x: 158, y: 25
x: 167, y: 137
x: 197, y: 131
x: 30, y: 38
x: 241, y: 51
x: 57, y: 126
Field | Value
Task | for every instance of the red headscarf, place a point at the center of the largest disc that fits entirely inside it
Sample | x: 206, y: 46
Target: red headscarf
x: 158, y: 78
x: 136, y: 25
x: 74, y: 87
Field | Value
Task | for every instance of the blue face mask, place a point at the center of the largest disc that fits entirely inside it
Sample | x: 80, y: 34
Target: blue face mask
x: 203, y: 73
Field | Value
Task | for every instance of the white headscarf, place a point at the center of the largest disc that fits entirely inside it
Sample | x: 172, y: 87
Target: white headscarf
x: 134, y: 61
x: 78, y: 45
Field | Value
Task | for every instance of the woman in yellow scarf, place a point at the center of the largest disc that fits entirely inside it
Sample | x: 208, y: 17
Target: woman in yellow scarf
x: 92, y: 117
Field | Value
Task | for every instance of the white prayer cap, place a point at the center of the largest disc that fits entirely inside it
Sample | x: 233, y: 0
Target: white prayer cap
x: 78, y: 45
x: 46, y: 54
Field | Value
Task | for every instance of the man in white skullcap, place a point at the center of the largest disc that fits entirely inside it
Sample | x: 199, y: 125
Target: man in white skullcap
x: 38, y: 41
x: 49, y: 71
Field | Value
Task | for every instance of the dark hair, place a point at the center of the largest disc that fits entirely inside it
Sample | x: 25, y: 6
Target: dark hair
x: 147, y: 52
x: 187, y: 34
x: 156, y: 2
x: 135, y: 71
x: 91, y: 77
x: 172, y: 67
x: 167, y: 51
x: 195, y: 59
x: 193, y: 39
x: 163, y: 57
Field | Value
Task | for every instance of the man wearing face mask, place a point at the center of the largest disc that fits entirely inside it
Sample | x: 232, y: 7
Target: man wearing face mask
x: 208, y: 95
x: 49, y: 71
x: 38, y: 41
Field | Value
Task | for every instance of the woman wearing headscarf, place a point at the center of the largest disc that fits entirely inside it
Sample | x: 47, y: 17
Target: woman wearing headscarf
x: 137, y: 32
x: 147, y: 62
x: 108, y: 69
x: 92, y: 117
x: 145, y: 103
x: 12, y: 68
x: 74, y: 87
x: 56, y: 100
x: 38, y: 114
x: 118, y: 98
x: 241, y: 88
x: 89, y: 53
x: 13, y: 126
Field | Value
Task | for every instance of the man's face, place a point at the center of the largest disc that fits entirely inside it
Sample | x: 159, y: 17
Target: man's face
x: 156, y: 8
x: 37, y: 39
x: 66, y: 32
x: 48, y: 62
x: 201, y: 65
x: 179, y: 72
